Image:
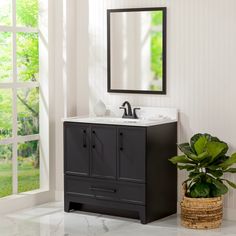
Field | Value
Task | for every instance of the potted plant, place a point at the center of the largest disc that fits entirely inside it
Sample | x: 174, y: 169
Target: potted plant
x: 206, y: 160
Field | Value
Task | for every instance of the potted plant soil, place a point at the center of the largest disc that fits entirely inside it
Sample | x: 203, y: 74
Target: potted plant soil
x: 206, y: 160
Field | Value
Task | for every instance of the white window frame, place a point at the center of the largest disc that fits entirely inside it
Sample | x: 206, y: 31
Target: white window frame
x: 14, y: 85
x: 47, y: 124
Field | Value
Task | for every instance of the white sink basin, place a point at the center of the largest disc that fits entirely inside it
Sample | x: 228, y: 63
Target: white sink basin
x: 115, y: 120
x: 120, y: 121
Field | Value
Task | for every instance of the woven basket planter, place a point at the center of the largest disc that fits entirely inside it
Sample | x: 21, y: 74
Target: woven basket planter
x: 201, y: 213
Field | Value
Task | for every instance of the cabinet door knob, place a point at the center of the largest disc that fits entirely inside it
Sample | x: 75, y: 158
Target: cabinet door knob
x: 121, y: 141
x: 84, y: 138
x: 93, y: 139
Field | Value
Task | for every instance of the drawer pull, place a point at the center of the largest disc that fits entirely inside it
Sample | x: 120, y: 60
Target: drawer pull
x: 106, y: 190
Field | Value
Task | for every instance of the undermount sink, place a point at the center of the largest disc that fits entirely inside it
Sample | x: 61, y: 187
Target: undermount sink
x: 121, y: 121
x: 115, y: 119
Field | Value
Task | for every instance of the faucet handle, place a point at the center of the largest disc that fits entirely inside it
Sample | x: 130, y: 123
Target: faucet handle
x: 125, y: 111
x: 134, y: 112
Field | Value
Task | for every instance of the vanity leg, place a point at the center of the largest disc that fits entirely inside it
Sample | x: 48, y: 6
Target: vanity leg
x: 70, y: 206
x: 142, y: 217
x: 67, y: 206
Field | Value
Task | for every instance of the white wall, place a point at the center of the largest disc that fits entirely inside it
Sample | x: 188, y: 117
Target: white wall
x: 201, y: 66
x: 65, y: 101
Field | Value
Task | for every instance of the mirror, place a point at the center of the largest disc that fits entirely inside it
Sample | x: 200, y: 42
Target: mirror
x: 136, y: 41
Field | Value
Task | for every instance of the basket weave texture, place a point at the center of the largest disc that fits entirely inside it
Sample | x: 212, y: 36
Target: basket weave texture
x: 201, y: 213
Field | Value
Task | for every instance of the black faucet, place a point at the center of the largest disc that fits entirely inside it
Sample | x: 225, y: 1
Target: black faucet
x: 129, y: 114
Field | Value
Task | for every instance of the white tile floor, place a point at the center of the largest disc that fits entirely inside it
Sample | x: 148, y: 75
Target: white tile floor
x: 50, y: 220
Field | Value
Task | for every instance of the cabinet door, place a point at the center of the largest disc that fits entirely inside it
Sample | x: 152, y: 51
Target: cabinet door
x: 103, y: 152
x: 76, y: 149
x: 131, y: 154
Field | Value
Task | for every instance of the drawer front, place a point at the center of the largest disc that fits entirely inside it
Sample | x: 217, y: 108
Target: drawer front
x: 106, y: 190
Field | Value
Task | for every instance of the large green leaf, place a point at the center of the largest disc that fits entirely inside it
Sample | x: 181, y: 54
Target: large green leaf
x: 233, y: 185
x: 215, y: 192
x: 205, y: 162
x: 193, y: 140
x: 196, y: 137
x: 180, y: 159
x: 186, y: 149
x: 230, y: 170
x: 200, y: 145
x: 219, y: 160
x: 216, y: 149
x: 186, y: 167
x: 220, y: 188
x: 215, y: 173
x: 200, y: 190
x: 195, y: 174
x: 203, y: 156
x: 212, y: 167
x: 230, y: 161
x: 213, y: 138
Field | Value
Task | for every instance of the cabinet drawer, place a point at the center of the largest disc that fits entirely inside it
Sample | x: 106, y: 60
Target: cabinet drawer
x: 107, y: 190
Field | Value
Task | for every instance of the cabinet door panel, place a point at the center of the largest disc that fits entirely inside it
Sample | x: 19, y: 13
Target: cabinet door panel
x: 76, y: 149
x: 103, y: 152
x: 131, y: 154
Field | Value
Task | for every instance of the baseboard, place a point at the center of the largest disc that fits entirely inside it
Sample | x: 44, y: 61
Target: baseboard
x: 24, y: 200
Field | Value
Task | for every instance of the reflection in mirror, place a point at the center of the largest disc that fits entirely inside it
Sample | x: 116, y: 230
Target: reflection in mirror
x: 136, y: 50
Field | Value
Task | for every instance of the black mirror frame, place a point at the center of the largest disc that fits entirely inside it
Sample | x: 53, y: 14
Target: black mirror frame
x: 164, y: 38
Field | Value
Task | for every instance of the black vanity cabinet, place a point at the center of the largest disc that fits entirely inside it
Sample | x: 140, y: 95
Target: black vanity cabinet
x: 120, y: 170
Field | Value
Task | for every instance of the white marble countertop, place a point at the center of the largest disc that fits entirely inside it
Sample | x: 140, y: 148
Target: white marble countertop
x: 148, y: 116
x: 121, y: 121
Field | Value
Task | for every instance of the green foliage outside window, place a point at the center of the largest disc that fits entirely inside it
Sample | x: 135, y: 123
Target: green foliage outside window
x: 5, y: 57
x: 27, y: 56
x: 5, y: 113
x: 27, y: 13
x: 5, y: 12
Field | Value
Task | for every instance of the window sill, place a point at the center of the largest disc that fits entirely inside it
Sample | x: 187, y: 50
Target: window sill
x: 24, y: 200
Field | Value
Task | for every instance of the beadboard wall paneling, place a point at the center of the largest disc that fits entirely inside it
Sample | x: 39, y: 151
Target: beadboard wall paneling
x: 201, y: 67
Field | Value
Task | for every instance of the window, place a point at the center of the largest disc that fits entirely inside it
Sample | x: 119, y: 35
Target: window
x: 19, y: 97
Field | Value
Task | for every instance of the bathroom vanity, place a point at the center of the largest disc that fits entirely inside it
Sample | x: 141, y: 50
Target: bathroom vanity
x: 120, y: 166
